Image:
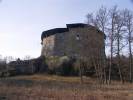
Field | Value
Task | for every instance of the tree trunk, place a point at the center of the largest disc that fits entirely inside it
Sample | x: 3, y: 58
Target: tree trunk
x: 111, y: 56
x: 118, y: 56
x: 130, y: 57
x: 80, y: 72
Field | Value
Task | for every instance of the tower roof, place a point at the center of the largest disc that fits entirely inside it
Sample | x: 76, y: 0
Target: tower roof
x: 75, y: 25
x: 53, y: 31
x: 62, y: 30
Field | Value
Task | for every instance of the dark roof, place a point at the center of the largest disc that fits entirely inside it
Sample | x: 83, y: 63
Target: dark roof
x: 53, y: 31
x: 75, y: 25
x: 62, y: 30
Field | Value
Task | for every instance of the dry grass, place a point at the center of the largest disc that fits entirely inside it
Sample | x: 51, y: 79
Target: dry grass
x: 42, y: 87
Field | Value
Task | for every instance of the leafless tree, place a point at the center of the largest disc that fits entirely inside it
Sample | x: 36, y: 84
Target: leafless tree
x: 111, y: 29
x: 27, y: 57
x: 116, y: 39
x: 119, y: 32
x: 118, y: 27
x: 94, y: 55
x: 8, y: 59
x: 100, y: 20
x: 129, y: 28
x: 91, y: 19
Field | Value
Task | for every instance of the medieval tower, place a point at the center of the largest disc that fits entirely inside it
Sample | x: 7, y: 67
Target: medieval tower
x: 76, y: 40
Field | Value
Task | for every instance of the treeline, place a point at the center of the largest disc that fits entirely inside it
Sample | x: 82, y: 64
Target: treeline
x: 117, y: 25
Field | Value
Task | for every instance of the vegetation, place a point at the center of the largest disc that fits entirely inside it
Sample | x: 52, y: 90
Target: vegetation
x: 50, y: 81
x: 115, y: 65
x: 118, y: 26
x: 43, y: 87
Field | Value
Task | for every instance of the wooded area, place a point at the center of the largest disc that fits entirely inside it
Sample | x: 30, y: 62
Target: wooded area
x: 117, y: 25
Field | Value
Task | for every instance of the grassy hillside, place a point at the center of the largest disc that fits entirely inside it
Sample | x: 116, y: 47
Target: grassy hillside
x: 43, y: 87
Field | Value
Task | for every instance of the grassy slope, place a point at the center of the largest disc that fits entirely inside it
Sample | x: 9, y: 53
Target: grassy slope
x: 43, y: 87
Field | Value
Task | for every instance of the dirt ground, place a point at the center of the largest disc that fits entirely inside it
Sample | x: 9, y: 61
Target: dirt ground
x: 44, y: 87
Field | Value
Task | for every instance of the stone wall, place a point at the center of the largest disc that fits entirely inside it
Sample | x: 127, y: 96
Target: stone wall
x: 48, y: 46
x: 60, y: 44
x: 87, y: 41
x: 79, y: 41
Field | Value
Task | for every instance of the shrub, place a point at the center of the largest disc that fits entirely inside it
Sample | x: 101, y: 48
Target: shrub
x: 61, y: 65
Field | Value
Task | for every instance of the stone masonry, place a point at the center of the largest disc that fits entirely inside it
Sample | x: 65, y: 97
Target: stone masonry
x: 76, y: 40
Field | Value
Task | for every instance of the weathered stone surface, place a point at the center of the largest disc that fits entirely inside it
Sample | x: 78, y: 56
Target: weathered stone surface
x: 77, y: 42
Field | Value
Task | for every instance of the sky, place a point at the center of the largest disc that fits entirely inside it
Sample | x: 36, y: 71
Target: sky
x: 23, y: 21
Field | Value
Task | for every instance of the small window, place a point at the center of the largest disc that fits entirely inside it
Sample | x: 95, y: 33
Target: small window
x: 77, y: 37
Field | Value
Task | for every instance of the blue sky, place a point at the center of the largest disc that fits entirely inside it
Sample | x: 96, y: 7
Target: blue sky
x: 22, y: 21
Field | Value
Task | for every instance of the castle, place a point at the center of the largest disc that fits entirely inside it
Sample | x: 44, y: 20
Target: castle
x: 76, y: 40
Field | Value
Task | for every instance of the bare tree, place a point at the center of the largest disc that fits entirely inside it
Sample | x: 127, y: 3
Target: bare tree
x: 27, y: 57
x: 8, y: 59
x: 119, y: 32
x: 91, y: 19
x: 112, y: 14
x: 118, y: 26
x: 94, y: 55
x: 100, y: 20
x: 129, y: 28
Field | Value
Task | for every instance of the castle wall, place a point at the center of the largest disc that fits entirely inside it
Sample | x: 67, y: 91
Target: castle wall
x: 79, y: 41
x: 48, y: 46
x: 87, y: 41
x: 60, y: 44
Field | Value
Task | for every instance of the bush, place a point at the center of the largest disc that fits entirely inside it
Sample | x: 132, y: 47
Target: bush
x: 61, y: 66
x: 40, y: 64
